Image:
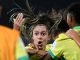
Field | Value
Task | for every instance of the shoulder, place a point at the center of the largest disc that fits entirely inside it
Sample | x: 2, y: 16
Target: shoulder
x: 8, y: 34
x: 62, y: 37
x: 7, y: 30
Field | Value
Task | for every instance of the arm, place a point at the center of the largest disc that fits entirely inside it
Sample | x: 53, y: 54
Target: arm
x: 40, y: 53
x: 74, y: 35
x: 35, y: 52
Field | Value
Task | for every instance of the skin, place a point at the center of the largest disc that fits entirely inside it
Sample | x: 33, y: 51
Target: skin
x: 71, y: 33
x: 74, y: 35
x: 18, y: 22
x: 40, y: 37
x: 70, y: 21
x: 40, y: 32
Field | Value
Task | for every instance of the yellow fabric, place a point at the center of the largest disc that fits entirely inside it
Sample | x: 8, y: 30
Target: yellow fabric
x: 66, y: 47
x: 48, y: 46
x: 21, y: 53
x: 7, y: 43
x: 46, y: 49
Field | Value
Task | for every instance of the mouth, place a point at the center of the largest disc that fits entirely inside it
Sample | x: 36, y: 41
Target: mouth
x: 40, y: 45
x: 39, y: 42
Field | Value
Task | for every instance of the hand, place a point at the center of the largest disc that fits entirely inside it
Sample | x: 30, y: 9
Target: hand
x: 42, y: 53
x: 32, y: 51
x: 18, y: 21
x: 48, y: 57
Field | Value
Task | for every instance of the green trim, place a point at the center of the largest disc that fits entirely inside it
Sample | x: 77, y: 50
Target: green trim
x: 24, y: 58
x: 62, y: 58
x: 52, y: 55
x: 55, y: 57
x: 76, y: 28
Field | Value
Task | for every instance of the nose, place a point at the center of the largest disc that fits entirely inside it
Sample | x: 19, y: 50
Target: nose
x: 40, y: 37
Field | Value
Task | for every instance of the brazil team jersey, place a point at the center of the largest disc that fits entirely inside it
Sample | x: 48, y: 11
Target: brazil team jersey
x: 66, y: 47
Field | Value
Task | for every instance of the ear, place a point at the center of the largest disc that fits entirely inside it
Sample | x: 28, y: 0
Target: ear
x: 69, y: 20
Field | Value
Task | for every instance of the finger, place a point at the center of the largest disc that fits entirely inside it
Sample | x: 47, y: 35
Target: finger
x: 20, y: 18
x: 21, y: 22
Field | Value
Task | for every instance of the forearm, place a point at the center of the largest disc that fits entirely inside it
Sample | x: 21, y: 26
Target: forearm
x: 74, y: 35
x: 77, y: 40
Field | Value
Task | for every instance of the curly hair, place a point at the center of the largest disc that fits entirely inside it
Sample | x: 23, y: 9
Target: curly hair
x: 30, y: 24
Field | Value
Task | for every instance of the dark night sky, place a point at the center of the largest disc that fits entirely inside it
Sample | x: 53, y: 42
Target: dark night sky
x: 43, y: 4
x: 37, y: 4
x: 49, y: 3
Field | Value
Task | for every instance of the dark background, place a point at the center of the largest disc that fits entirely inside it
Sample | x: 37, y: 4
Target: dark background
x: 42, y: 5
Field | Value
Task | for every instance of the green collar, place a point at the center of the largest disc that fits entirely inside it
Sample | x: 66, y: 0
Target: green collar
x: 76, y: 28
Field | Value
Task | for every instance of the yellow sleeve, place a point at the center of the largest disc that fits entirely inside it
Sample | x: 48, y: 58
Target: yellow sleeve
x: 21, y: 53
x: 56, y: 50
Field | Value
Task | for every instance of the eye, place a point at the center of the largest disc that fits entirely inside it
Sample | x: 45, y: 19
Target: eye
x: 36, y: 33
x: 43, y: 33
